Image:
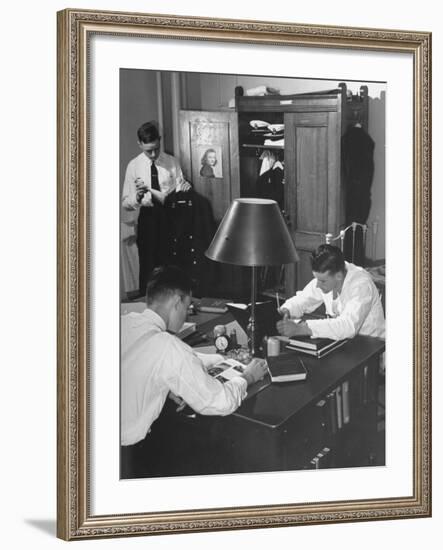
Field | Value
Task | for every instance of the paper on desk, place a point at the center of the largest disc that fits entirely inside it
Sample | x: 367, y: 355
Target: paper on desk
x: 211, y: 350
x: 244, y: 307
x: 242, y: 338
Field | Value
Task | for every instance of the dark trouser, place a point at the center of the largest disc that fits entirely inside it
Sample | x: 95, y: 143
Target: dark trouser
x: 176, y: 445
x: 152, y: 241
x: 152, y: 456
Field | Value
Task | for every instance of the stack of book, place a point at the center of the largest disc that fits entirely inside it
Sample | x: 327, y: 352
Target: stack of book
x: 318, y: 347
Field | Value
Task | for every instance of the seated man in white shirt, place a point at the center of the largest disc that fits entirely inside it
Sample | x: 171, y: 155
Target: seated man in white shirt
x: 350, y: 296
x: 155, y: 362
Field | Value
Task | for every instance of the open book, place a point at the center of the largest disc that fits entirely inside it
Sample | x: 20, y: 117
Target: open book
x: 230, y: 368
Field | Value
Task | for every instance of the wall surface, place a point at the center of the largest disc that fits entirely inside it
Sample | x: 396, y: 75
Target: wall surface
x: 28, y: 277
x: 138, y: 104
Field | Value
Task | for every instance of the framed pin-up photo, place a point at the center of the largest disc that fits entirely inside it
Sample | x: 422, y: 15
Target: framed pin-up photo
x: 243, y: 274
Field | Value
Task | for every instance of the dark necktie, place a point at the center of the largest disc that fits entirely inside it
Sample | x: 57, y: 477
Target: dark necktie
x: 154, y: 177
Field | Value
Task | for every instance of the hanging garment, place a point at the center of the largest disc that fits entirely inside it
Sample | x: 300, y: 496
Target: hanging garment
x: 358, y: 172
x: 270, y: 184
x: 268, y: 159
x: 192, y: 227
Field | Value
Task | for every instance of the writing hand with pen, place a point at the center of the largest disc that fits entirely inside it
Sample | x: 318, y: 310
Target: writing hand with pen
x: 291, y: 327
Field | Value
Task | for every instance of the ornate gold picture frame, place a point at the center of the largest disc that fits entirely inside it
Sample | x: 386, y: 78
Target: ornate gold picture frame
x: 75, y: 516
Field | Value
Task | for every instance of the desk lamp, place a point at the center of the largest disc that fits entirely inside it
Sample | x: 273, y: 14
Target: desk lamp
x: 253, y: 233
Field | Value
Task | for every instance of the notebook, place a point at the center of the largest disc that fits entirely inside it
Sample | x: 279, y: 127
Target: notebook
x: 286, y: 367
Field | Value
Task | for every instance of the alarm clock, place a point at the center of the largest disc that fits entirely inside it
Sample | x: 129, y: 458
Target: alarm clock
x: 221, y: 343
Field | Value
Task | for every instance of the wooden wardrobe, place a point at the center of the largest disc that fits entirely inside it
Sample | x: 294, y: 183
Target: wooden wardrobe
x: 312, y: 191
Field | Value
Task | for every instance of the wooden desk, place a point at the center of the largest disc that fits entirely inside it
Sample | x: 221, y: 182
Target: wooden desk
x: 285, y: 425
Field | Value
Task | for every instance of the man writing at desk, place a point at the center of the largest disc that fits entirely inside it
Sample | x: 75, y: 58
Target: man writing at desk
x: 350, y: 296
x: 155, y: 362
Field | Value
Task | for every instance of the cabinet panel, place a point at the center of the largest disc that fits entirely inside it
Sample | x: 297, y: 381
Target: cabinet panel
x: 311, y: 179
x: 206, y: 135
x: 313, y: 193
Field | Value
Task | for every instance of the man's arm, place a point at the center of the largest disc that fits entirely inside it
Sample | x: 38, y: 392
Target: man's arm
x: 206, y: 395
x: 349, y: 322
x: 172, y: 184
x: 180, y: 183
x: 130, y: 189
x: 305, y: 301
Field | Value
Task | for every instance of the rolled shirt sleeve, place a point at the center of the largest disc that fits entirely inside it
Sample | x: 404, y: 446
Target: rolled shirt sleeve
x: 305, y: 301
x: 348, y: 323
x: 129, y: 194
x: 209, y: 359
x: 170, y: 179
x: 188, y: 379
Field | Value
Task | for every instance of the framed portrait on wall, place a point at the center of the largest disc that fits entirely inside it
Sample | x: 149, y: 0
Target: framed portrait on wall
x: 331, y: 143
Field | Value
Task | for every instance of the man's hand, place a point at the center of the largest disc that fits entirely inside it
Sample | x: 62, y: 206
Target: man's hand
x: 284, y: 313
x: 159, y: 196
x: 289, y: 328
x: 255, y: 371
x: 141, y: 189
x: 181, y: 184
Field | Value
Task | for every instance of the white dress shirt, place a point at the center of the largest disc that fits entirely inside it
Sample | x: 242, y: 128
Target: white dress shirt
x: 356, y: 310
x: 170, y: 177
x: 154, y: 362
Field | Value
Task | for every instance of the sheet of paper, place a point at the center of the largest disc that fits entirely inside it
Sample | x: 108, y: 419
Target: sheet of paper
x: 205, y: 349
x: 242, y: 338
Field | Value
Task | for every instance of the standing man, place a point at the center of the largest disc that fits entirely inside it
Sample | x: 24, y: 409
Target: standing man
x: 150, y: 178
x: 350, y: 296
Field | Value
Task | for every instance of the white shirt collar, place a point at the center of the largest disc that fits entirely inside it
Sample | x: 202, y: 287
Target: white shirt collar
x: 154, y: 318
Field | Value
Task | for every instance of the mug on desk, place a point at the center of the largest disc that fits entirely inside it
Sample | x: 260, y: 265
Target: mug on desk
x: 273, y: 346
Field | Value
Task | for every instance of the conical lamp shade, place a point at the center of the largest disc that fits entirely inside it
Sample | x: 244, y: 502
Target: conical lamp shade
x: 253, y: 233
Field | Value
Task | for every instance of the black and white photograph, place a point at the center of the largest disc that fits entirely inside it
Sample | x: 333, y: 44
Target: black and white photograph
x: 252, y: 273
x: 210, y: 162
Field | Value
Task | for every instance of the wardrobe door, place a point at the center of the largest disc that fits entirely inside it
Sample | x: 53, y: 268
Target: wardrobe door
x: 313, y: 195
x: 209, y: 156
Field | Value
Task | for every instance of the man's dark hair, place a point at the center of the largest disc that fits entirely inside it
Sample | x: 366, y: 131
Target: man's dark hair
x: 167, y: 280
x: 148, y: 132
x: 328, y: 258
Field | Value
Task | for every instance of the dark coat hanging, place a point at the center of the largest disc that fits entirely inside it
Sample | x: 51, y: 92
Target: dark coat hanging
x: 358, y: 172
